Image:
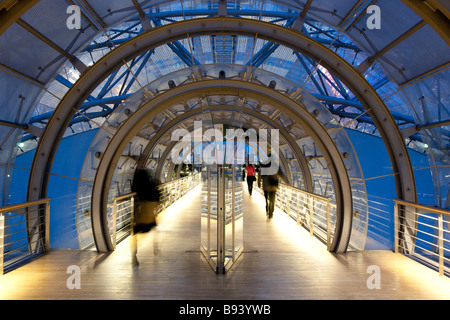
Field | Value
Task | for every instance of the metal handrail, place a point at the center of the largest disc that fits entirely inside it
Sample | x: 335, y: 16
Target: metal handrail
x: 15, y: 207
x: 179, y: 179
x: 432, y: 209
x: 421, y: 210
x: 42, y: 233
x: 310, y: 207
x: 317, y: 196
x: 131, y: 196
x: 123, y: 197
x: 116, y: 201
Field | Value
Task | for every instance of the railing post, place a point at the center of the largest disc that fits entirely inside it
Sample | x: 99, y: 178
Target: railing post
x: 220, y: 221
x: 286, y: 201
x: 396, y: 228
x: 132, y: 215
x: 208, y: 227
x: 233, y: 212
x: 311, y: 213
x: 328, y: 226
x: 2, y: 241
x: 441, y: 245
x: 47, y: 228
x: 114, y: 223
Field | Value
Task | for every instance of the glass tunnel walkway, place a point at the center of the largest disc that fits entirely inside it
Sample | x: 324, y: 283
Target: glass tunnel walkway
x: 280, y: 261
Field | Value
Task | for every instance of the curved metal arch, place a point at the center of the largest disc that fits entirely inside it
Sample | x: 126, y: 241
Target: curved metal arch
x: 286, y: 105
x: 165, y: 155
x: 303, y: 163
x: 59, y: 122
x: 437, y: 19
x: 194, y: 27
x: 283, y: 159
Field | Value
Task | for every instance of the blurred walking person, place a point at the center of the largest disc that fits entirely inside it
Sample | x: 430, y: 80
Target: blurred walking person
x: 270, y: 187
x: 146, y: 210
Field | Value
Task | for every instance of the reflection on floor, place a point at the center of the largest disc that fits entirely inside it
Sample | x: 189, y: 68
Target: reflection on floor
x: 281, y: 262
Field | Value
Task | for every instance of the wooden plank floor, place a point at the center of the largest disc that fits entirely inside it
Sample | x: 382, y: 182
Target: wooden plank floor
x: 289, y: 265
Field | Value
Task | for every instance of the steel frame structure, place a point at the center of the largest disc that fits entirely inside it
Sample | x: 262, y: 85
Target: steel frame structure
x: 326, y: 37
x: 195, y: 112
x: 143, y: 43
x: 161, y: 102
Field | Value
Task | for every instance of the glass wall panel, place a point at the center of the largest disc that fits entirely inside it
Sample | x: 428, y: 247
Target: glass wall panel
x: 222, y: 226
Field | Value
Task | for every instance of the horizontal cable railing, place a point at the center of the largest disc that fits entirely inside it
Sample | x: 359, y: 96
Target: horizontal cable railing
x: 122, y: 216
x: 173, y: 190
x: 24, y: 232
x: 122, y: 213
x: 314, y: 212
x: 422, y: 232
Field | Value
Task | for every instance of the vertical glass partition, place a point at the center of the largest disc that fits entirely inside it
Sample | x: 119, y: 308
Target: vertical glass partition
x: 222, y: 239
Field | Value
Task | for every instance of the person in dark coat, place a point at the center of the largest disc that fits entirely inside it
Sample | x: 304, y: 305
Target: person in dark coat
x: 270, y: 187
x: 148, y: 200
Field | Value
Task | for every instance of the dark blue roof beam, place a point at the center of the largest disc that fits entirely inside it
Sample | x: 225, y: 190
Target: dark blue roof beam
x: 183, y: 54
x: 109, y: 85
x: 105, y: 44
x: 35, y: 131
x: 129, y: 31
x: 337, y: 44
x: 187, y: 57
x: 366, y: 119
x: 338, y: 83
x: 354, y: 104
x: 138, y: 71
x: 267, y: 50
x: 112, y: 39
x: 329, y: 37
x: 69, y: 84
x: 127, y: 74
x: 94, y: 103
x: 309, y: 71
x: 335, y: 84
x: 263, y: 54
x: 85, y: 118
x: 320, y: 87
x: 279, y: 16
x: 380, y: 83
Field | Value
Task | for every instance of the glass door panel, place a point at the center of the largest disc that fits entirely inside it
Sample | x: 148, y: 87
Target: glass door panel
x: 222, y: 216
